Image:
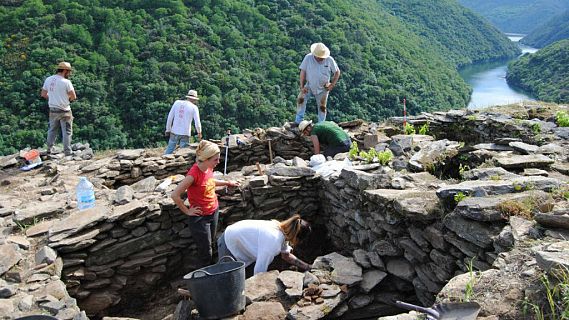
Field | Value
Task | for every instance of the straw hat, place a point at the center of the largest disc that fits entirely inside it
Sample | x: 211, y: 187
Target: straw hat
x: 303, y: 124
x: 192, y: 94
x: 64, y: 66
x: 320, y: 50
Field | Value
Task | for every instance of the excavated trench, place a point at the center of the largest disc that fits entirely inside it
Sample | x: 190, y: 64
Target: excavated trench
x: 135, y: 263
x: 156, y: 302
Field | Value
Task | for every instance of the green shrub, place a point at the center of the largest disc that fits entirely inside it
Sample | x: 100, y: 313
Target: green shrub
x: 562, y: 119
x: 459, y: 197
x: 354, y: 151
x: 409, y: 128
x: 424, y: 129
x: 384, y: 157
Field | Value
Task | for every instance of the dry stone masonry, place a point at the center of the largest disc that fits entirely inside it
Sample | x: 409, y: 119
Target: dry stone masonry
x: 482, y: 192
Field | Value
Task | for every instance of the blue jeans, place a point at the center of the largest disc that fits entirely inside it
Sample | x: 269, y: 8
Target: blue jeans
x: 321, y: 102
x: 177, y: 139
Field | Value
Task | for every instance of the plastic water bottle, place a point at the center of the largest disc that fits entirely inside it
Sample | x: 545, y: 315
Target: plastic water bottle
x: 85, y: 194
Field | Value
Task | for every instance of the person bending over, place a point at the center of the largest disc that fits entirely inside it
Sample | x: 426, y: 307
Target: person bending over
x: 260, y: 241
x: 328, y: 133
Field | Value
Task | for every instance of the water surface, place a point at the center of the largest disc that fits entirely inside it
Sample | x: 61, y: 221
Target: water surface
x: 488, y: 81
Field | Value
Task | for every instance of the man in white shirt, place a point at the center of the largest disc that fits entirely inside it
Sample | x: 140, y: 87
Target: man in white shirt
x: 179, y: 123
x: 315, y: 71
x: 59, y: 92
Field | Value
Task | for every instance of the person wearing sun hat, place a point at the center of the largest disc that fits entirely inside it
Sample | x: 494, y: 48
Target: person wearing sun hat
x: 327, y: 133
x: 179, y: 123
x: 315, y: 71
x: 59, y: 92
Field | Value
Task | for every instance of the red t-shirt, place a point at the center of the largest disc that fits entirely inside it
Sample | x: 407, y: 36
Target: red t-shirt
x: 201, y: 193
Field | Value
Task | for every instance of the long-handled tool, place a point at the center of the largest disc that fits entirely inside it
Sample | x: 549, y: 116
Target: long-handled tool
x: 226, y: 151
x: 404, y: 113
x: 446, y: 311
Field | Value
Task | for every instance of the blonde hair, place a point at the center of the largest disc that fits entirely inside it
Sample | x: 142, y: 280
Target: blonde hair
x: 295, y: 229
x: 206, y: 149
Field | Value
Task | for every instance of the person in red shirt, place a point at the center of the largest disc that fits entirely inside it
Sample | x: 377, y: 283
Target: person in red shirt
x: 203, y: 211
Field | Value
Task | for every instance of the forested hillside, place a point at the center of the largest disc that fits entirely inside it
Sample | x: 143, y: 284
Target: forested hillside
x: 458, y: 34
x: 545, y: 73
x: 557, y: 28
x: 132, y: 59
x: 517, y: 16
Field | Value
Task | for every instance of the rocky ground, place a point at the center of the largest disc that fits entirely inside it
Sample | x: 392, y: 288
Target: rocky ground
x: 475, y: 209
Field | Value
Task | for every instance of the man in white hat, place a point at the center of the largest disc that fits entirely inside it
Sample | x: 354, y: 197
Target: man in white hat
x: 315, y: 71
x: 59, y: 92
x: 179, y: 123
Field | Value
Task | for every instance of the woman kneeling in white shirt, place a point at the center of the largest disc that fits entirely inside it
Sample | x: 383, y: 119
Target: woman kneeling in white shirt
x: 260, y: 241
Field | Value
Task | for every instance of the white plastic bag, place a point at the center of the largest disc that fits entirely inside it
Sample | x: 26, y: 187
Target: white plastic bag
x: 317, y: 160
x: 328, y: 168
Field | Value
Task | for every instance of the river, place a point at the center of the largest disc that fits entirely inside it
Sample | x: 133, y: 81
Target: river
x: 488, y: 81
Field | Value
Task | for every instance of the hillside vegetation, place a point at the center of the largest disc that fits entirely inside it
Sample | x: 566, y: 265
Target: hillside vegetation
x: 557, y: 28
x: 457, y: 33
x: 545, y: 73
x: 132, y: 59
x: 517, y: 16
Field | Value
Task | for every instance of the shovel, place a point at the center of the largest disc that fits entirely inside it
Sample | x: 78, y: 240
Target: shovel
x: 446, y: 311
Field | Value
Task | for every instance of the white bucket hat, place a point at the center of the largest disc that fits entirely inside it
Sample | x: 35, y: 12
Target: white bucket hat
x: 320, y: 50
x: 303, y: 124
x: 192, y: 94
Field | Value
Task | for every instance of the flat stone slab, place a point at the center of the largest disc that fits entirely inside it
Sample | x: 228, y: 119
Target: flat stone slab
x: 488, y: 208
x: 9, y: 257
x: 262, y: 286
x: 291, y: 171
x: 492, y: 147
x: 482, y: 188
x: 554, y: 219
x: 554, y: 256
x: 362, y: 180
x: 524, y: 161
x: 344, y: 270
x: 130, y: 154
x: 293, y: 282
x: 76, y: 222
x: 480, y: 234
x: 561, y: 167
x: 264, y: 310
x: 524, y: 148
x: 38, y: 210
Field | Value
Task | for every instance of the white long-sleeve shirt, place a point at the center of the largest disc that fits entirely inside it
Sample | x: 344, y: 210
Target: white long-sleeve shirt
x: 256, y: 241
x: 180, y: 118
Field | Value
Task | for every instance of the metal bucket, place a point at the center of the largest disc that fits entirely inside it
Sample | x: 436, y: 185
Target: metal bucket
x: 37, y: 317
x: 217, y: 290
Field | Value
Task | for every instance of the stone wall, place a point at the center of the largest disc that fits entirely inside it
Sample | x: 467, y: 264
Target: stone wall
x: 401, y: 224
x: 113, y: 251
x: 130, y: 166
x: 476, y: 127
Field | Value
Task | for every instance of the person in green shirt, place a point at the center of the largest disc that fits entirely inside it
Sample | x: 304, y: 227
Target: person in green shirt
x: 327, y: 133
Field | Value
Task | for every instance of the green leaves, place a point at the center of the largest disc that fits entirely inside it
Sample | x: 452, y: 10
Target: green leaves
x: 133, y: 59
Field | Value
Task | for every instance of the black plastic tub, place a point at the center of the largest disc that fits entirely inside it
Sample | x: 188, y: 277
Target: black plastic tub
x: 218, y: 290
